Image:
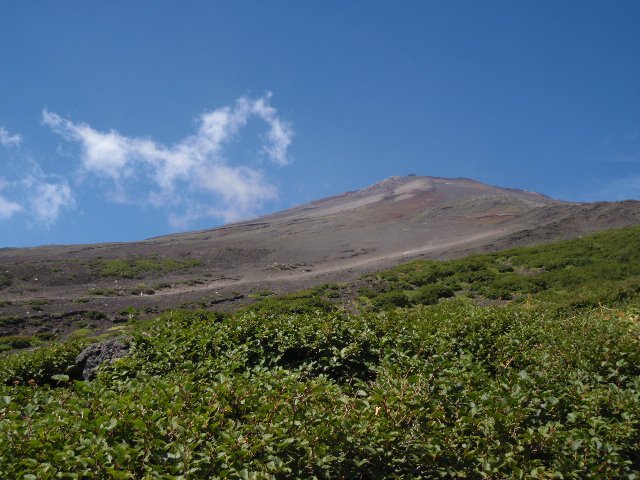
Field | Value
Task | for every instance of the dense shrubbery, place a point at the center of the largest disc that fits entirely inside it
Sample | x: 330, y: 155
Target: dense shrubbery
x: 433, y: 391
x: 605, y: 257
x: 544, y: 387
x: 39, y: 366
x: 304, y: 302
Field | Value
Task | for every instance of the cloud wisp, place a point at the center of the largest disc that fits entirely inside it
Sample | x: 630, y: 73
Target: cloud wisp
x: 42, y: 198
x: 192, y: 178
x: 8, y: 139
x: 8, y: 208
x: 48, y: 199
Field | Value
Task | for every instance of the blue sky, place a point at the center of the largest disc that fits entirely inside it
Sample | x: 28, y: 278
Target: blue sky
x: 125, y: 120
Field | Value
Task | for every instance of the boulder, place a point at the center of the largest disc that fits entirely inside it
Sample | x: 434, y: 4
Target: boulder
x: 95, y: 355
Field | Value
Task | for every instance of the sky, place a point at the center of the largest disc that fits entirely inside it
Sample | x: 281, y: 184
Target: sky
x: 125, y: 120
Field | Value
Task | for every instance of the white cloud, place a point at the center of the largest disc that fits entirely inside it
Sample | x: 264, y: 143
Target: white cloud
x: 239, y: 187
x: 104, y: 153
x: 9, y: 140
x: 280, y: 133
x: 48, y: 199
x: 42, y: 198
x: 8, y: 208
x: 195, y: 164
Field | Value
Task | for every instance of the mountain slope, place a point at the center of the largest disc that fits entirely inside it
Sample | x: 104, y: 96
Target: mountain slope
x: 332, y: 239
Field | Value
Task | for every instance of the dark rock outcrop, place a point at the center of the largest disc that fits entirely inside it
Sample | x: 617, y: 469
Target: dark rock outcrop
x: 95, y: 355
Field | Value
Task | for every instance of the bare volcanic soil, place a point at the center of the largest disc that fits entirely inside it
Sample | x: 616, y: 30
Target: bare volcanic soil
x: 58, y: 291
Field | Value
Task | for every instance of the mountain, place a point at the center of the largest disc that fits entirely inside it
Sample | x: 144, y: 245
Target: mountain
x: 53, y: 288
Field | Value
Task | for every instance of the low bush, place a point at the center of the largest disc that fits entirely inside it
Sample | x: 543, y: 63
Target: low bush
x: 388, y: 300
x: 430, y: 294
x: 38, y: 304
x: 17, y: 341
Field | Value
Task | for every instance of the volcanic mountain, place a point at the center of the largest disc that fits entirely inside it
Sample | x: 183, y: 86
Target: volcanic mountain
x: 332, y: 239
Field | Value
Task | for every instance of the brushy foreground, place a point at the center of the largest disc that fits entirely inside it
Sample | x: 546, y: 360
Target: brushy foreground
x: 448, y: 391
x: 543, y: 388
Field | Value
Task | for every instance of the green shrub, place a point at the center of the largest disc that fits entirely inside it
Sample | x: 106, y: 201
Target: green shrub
x: 38, y: 304
x: 94, y: 315
x: 141, y: 290
x: 45, y: 336
x: 129, y: 311
x: 107, y: 292
x: 508, y: 285
x: 430, y: 294
x: 38, y: 366
x: 10, y: 320
x: 5, y: 281
x: 504, y: 268
x: 17, y: 341
x: 367, y: 292
x: 389, y: 300
x: 137, y: 266
x: 80, y: 333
